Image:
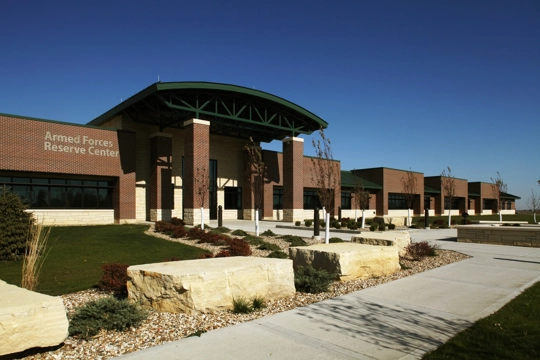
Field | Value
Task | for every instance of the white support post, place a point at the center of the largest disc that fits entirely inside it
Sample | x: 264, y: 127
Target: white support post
x: 257, y: 222
x: 202, y: 218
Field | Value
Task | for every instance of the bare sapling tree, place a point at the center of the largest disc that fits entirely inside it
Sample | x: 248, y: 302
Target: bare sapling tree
x: 255, y: 172
x: 498, y: 188
x: 202, y: 188
x: 533, y: 202
x: 409, y: 189
x: 448, y: 186
x: 361, y: 199
x: 324, y: 176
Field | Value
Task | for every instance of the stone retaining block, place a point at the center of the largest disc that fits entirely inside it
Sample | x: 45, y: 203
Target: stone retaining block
x: 499, y: 235
x: 348, y: 260
x: 209, y: 285
x: 29, y: 319
x: 401, y: 239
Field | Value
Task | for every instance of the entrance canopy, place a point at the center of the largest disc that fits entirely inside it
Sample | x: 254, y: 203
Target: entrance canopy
x: 232, y: 110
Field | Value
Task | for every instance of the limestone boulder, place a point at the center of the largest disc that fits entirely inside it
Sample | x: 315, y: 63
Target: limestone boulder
x: 209, y: 285
x: 400, y: 239
x: 348, y: 260
x: 29, y: 319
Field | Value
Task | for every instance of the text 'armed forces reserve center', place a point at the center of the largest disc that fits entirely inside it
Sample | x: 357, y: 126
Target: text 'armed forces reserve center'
x: 146, y: 158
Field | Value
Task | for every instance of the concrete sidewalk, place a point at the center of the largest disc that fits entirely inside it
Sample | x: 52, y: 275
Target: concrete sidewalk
x: 402, y: 319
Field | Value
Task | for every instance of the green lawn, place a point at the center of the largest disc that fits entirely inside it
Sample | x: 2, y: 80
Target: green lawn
x: 77, y: 253
x: 513, y: 332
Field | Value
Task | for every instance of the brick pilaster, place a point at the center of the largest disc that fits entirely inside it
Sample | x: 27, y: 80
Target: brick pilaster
x: 161, y: 191
x: 196, y: 162
x: 293, y: 179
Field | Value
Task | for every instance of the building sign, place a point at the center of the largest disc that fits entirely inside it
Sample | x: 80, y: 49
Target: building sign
x: 84, y: 145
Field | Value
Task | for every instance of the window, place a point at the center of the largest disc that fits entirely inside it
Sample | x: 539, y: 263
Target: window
x: 346, y: 200
x: 397, y: 202
x: 311, y: 200
x: 233, y: 198
x: 455, y: 203
x: 278, y: 199
x: 489, y: 204
x: 52, y: 193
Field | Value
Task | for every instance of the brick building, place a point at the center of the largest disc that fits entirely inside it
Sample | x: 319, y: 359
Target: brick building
x: 175, y: 148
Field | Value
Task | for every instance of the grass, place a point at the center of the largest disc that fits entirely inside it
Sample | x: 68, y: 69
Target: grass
x: 510, y: 333
x: 77, y: 253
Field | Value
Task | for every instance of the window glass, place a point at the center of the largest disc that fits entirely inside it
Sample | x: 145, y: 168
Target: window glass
x: 21, y: 180
x: 58, y: 181
x: 311, y: 200
x: 90, y: 183
x: 233, y: 198
x: 74, y: 197
x: 105, y: 198
x: 40, y: 197
x: 74, y: 182
x: 278, y: 199
x: 346, y: 200
x: 57, y: 197
x: 397, y: 202
x: 40, y: 181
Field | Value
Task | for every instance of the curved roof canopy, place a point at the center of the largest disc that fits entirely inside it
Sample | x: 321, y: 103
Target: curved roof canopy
x: 232, y: 110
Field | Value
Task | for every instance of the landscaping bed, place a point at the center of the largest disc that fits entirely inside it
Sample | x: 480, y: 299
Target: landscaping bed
x: 161, y: 328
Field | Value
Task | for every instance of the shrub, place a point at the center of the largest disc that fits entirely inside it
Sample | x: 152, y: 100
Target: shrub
x: 268, y: 233
x: 465, y: 222
x: 335, y: 240
x: 391, y: 226
x: 308, y: 223
x: 297, y: 223
x: 377, y: 220
x: 353, y: 227
x: 337, y: 224
x: 206, y: 255
x: 222, y: 229
x: 258, y: 303
x: 114, y: 279
x: 14, y: 226
x: 382, y: 227
x: 238, y: 247
x: 418, y: 250
x: 195, y: 233
x: 439, y: 222
x: 34, y: 256
x: 254, y: 240
x: 373, y: 227
x: 163, y: 227
x: 223, y: 253
x: 310, y: 280
x: 322, y: 223
x: 239, y: 233
x: 178, y: 232
x: 241, y: 306
x: 177, y: 222
x: 294, y: 240
x: 277, y: 255
x: 268, y: 246
x: 107, y: 314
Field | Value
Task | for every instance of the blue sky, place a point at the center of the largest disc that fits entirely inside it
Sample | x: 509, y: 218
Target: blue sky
x: 417, y: 84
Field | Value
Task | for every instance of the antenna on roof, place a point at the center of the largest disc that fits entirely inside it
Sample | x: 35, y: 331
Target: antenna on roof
x: 158, y: 80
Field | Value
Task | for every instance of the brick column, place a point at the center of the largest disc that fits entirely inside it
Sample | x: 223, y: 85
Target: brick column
x: 293, y: 179
x: 124, y: 197
x: 161, y: 190
x: 196, y: 163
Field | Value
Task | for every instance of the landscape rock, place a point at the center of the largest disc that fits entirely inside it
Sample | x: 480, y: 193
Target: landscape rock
x: 209, y: 285
x: 348, y: 260
x: 29, y: 319
x: 400, y: 239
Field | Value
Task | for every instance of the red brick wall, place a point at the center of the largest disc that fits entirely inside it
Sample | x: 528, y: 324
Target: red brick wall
x: 196, y: 156
x: 293, y: 174
x: 58, y: 148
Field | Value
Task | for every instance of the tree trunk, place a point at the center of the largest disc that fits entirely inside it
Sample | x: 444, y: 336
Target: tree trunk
x: 363, y: 219
x: 409, y: 217
x: 202, y: 218
x: 327, y: 228
x: 256, y: 222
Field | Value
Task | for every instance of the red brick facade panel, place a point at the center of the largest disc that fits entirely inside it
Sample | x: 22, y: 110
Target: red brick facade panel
x: 196, y: 160
x: 51, y: 147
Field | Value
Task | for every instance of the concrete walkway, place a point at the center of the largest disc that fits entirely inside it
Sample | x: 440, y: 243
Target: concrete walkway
x: 402, y: 319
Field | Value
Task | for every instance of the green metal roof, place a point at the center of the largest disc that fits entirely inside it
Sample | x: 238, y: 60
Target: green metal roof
x: 348, y: 179
x: 431, y: 190
x: 232, y: 110
x: 509, y: 196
